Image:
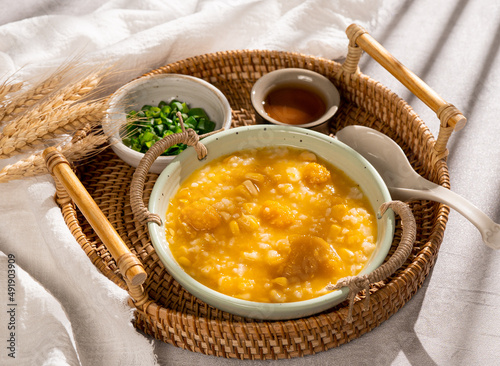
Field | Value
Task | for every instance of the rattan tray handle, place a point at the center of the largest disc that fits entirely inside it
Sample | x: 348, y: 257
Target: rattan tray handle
x: 188, y: 137
x: 130, y: 267
x: 395, y: 261
x: 359, y: 40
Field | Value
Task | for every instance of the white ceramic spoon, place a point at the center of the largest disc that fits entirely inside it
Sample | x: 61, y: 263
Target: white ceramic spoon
x: 404, y: 183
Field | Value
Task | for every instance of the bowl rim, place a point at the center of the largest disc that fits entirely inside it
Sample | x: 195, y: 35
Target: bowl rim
x: 253, y: 309
x: 263, y: 80
x: 120, y: 93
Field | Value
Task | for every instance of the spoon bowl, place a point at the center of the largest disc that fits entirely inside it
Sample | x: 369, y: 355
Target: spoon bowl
x: 405, y: 183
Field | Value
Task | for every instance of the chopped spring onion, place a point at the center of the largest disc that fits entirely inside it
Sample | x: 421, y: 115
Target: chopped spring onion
x: 152, y: 123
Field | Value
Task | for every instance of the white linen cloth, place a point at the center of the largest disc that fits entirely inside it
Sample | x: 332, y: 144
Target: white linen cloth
x: 67, y: 313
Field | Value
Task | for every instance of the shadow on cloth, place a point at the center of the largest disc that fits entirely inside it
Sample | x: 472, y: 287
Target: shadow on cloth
x: 386, y: 344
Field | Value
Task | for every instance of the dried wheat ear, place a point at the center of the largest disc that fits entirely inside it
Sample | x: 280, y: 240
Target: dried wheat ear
x: 65, y: 107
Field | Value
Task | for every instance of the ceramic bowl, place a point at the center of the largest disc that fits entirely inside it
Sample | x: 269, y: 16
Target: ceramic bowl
x: 308, y: 79
x: 151, y: 90
x: 227, y: 142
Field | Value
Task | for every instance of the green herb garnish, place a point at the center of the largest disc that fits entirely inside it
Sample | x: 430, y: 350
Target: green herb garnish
x: 151, y: 124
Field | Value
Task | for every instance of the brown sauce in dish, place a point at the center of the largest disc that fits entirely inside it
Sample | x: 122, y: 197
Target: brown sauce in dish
x: 294, y: 105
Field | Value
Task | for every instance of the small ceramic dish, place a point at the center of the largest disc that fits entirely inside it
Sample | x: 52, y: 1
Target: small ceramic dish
x: 227, y: 142
x: 301, y: 80
x: 153, y: 89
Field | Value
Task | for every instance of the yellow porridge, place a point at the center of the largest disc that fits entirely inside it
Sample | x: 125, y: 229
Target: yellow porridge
x: 270, y: 225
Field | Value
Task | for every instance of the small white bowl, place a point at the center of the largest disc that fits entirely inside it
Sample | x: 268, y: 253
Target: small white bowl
x: 151, y: 90
x: 235, y: 139
x: 299, y: 77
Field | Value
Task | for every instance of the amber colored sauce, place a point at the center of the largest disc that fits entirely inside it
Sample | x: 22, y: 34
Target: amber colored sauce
x: 294, y: 105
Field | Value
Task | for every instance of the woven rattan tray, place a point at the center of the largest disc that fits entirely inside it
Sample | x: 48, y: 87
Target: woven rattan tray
x: 169, y: 313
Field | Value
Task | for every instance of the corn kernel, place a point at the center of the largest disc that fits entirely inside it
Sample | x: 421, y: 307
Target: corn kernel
x: 184, y: 262
x: 255, y: 177
x: 282, y: 281
x: 339, y: 211
x: 346, y: 254
x: 251, y: 208
x: 354, y: 238
x: 249, y: 222
x: 234, y: 227
x: 243, y: 192
x: 183, y: 250
x: 335, y: 232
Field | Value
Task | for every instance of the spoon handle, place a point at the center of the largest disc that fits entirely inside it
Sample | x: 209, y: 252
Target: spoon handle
x: 490, y: 231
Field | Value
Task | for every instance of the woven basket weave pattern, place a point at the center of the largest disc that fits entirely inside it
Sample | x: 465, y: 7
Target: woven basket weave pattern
x: 175, y: 316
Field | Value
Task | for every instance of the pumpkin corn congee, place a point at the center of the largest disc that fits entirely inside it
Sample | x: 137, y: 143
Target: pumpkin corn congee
x: 270, y: 225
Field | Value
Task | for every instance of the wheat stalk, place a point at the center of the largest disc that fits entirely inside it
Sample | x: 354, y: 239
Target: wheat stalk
x: 29, y: 98
x: 88, y: 146
x: 8, y: 88
x: 75, y: 150
x: 68, y: 94
x: 29, y: 167
x: 26, y: 99
x: 55, y: 107
x: 64, y: 120
x: 79, y: 115
x: 48, y: 116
